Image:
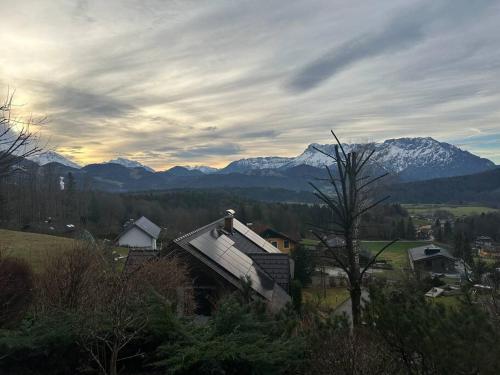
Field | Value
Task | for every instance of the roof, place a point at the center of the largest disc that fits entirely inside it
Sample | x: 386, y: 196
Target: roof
x: 484, y: 238
x: 428, y: 252
x: 434, y: 292
x: 276, y: 265
x: 241, y: 253
x: 270, y: 233
x: 136, y: 258
x: 144, y: 224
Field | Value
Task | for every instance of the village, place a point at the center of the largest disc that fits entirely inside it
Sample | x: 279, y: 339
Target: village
x: 230, y: 242
x: 309, y: 187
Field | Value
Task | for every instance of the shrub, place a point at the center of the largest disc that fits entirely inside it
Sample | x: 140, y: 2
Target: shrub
x: 16, y: 290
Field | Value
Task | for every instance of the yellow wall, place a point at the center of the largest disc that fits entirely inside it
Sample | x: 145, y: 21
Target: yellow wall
x: 281, y: 244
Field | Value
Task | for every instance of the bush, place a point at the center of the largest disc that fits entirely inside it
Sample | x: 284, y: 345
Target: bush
x: 427, y: 337
x: 16, y: 290
x: 237, y: 340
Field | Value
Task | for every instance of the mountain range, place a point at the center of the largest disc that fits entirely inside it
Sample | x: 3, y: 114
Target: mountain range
x: 406, y: 159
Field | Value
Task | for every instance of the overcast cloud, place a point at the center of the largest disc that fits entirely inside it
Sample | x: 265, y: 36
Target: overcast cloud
x: 190, y: 82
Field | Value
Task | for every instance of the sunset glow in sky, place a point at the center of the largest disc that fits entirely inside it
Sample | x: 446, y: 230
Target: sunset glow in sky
x: 206, y: 82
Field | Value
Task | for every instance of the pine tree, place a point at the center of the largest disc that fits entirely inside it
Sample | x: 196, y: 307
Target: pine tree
x: 410, y: 229
x: 438, y: 232
x: 94, y: 214
x: 401, y: 229
x: 447, y: 231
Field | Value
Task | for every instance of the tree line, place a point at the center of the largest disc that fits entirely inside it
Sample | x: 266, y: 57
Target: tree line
x: 36, y: 202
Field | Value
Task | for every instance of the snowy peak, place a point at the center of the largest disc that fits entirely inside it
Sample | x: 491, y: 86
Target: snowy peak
x: 130, y: 164
x: 202, y: 168
x: 47, y: 157
x: 246, y: 165
x: 409, y: 158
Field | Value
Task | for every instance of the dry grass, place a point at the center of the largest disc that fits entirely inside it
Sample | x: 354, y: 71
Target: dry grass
x: 33, y: 247
x: 36, y: 248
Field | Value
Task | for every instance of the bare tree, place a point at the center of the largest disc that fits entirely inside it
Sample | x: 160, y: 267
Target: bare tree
x: 69, y: 278
x: 17, y: 139
x: 120, y: 309
x: 349, y: 199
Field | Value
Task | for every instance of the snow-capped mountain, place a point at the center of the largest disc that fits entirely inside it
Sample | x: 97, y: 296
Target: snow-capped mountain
x: 250, y: 164
x: 129, y: 164
x: 202, y: 168
x: 409, y: 158
x: 47, y: 157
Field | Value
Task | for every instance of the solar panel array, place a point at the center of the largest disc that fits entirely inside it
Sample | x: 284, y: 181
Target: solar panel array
x: 220, y: 249
x: 254, y: 237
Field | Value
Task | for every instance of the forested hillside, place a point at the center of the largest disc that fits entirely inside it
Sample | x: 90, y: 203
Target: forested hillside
x: 482, y: 187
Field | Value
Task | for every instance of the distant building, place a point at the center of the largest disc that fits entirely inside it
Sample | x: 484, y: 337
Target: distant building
x: 492, y: 251
x: 279, y: 240
x: 141, y: 234
x: 431, y: 258
x: 424, y: 232
x: 483, y: 242
x: 222, y: 253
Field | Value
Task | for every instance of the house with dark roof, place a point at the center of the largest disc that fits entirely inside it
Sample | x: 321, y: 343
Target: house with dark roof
x: 431, y: 258
x: 280, y: 240
x: 141, y: 233
x: 223, y: 253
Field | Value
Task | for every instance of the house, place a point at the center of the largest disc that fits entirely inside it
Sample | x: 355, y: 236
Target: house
x: 136, y: 258
x: 483, y: 242
x: 141, y: 234
x: 424, y: 232
x: 281, y: 241
x: 492, y: 251
x: 431, y: 258
x: 223, y: 253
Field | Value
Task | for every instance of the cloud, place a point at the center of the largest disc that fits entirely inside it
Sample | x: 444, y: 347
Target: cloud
x: 208, y: 82
x: 405, y: 29
x: 213, y: 149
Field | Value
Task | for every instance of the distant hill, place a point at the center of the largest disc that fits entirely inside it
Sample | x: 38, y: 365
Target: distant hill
x: 482, y: 187
x: 406, y: 159
x: 130, y: 164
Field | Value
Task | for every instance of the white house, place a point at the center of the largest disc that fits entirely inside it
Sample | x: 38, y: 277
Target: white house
x: 141, y: 233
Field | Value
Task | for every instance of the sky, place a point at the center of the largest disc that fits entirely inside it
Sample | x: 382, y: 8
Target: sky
x: 207, y: 82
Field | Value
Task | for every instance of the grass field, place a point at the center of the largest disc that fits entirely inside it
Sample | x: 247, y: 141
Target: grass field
x: 309, y: 242
x: 396, y: 254
x: 35, y: 247
x: 455, y: 210
x: 334, y: 296
x: 32, y: 247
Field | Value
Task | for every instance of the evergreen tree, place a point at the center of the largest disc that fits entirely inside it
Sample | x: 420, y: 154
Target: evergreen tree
x: 70, y: 205
x: 438, y: 231
x: 94, y: 212
x: 410, y: 229
x: 304, y: 265
x: 447, y: 231
x: 401, y: 229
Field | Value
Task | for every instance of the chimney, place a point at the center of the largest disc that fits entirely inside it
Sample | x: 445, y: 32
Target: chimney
x: 228, y: 220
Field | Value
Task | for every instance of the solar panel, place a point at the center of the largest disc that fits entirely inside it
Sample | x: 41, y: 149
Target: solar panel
x: 221, y: 250
x: 254, y: 237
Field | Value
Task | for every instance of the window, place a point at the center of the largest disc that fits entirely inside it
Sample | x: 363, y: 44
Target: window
x: 274, y: 243
x: 286, y: 244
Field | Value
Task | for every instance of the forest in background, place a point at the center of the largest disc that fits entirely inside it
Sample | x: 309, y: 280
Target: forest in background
x: 37, y: 203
